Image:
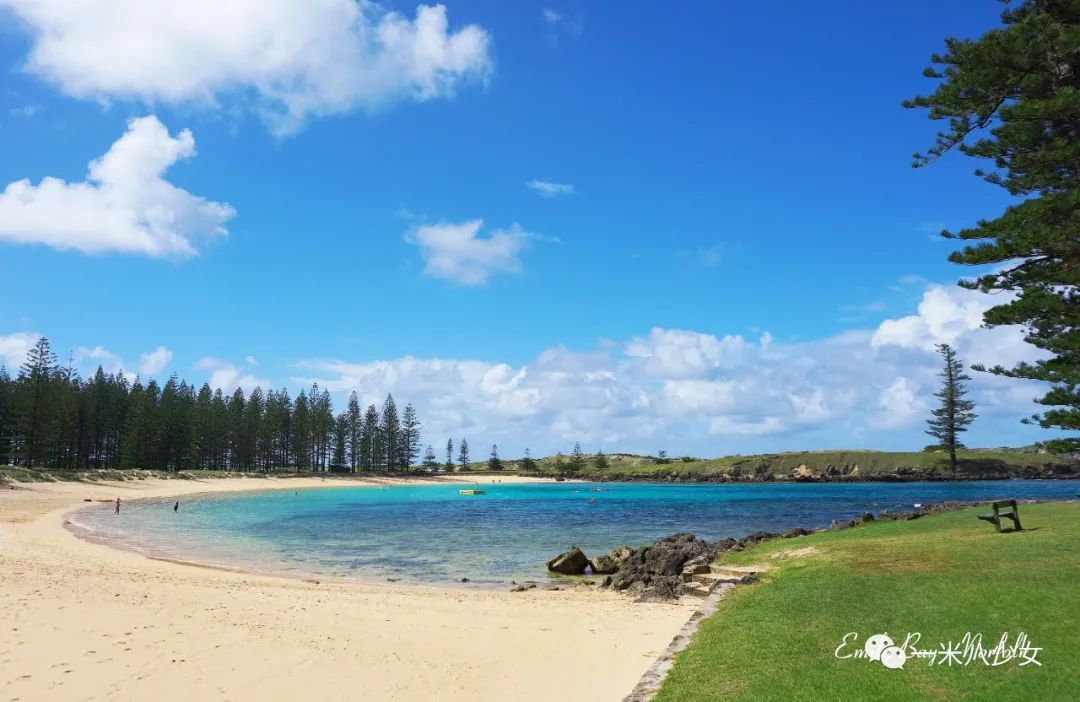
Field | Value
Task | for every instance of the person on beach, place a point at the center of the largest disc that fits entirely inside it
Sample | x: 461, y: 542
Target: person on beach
x: 117, y: 506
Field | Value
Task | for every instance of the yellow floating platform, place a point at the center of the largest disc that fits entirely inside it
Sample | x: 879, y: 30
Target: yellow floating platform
x: 470, y: 492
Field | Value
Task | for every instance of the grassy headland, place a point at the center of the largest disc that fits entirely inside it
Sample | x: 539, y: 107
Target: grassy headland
x: 942, y: 576
x: 827, y: 465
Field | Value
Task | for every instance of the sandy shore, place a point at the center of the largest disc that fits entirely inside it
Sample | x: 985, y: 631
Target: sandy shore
x: 82, y: 621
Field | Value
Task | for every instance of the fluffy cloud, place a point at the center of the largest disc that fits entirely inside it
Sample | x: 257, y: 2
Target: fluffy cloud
x: 457, y: 252
x: 13, y: 349
x: 124, y: 205
x: 952, y: 315
x: 228, y: 376
x: 90, y: 358
x: 155, y: 361
x: 549, y: 189
x: 685, y: 391
x: 292, y: 60
x: 695, y: 392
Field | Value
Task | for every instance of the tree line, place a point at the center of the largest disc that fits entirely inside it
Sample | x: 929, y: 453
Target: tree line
x: 51, y: 418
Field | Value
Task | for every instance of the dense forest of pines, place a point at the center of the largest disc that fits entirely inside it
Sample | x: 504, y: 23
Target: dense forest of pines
x: 51, y: 418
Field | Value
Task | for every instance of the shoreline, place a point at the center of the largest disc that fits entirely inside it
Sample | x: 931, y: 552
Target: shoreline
x: 90, y: 535
x: 79, y: 619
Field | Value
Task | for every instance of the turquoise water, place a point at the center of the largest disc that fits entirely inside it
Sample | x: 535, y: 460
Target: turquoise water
x: 430, y: 534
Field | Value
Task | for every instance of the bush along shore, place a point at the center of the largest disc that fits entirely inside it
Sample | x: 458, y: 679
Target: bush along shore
x: 681, y: 564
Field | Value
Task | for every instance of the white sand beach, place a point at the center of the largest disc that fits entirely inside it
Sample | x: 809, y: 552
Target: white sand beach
x: 84, y: 621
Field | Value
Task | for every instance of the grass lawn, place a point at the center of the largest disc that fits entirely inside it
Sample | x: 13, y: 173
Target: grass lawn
x: 942, y: 576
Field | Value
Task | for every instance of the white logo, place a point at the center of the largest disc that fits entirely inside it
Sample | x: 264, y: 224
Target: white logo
x: 875, y: 645
x: 881, y: 648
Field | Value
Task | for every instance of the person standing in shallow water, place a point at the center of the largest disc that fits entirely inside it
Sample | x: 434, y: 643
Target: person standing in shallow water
x: 117, y: 506
x: 176, y: 507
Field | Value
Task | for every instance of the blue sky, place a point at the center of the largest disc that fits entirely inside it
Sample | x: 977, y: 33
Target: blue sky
x: 724, y: 249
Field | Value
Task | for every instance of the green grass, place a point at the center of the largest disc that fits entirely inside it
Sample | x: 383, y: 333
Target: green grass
x: 942, y: 576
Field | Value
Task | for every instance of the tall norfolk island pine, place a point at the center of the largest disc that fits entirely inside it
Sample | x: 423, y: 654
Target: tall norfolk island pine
x: 955, y: 413
x: 1012, y: 97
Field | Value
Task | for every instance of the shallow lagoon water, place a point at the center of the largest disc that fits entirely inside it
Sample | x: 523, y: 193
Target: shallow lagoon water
x: 431, y: 534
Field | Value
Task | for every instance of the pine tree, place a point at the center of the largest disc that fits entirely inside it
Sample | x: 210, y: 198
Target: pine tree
x: 494, y: 462
x: 600, y: 461
x: 955, y: 413
x: 236, y: 432
x: 341, y: 440
x: 219, y: 410
x: 1011, y: 97
x: 527, y: 463
x: 560, y: 463
x: 302, y: 432
x: 390, y: 427
x: 7, y: 412
x: 431, y: 464
x: 463, y: 454
x: 356, y: 431
x: 449, y: 465
x: 410, y: 436
x: 372, y: 439
x: 37, y: 417
x: 202, y: 422
x: 577, y: 459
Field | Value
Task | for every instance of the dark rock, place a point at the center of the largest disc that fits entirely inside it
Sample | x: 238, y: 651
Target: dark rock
x: 657, y: 569
x: 464, y: 580
x: 757, y: 537
x: 523, y: 588
x: 572, y: 562
x: 697, y: 566
x: 606, y: 582
x: 792, y: 533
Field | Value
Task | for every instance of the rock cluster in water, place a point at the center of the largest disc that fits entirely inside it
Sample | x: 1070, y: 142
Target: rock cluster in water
x: 660, y: 570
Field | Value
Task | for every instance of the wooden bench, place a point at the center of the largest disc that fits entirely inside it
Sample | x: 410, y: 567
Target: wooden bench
x: 997, y: 516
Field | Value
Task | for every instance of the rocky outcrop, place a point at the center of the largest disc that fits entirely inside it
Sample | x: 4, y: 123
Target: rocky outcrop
x: 610, y: 563
x: 572, y: 562
x: 656, y: 571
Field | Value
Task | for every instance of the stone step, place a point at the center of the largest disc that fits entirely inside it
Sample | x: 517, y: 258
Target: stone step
x: 697, y: 589
x: 711, y: 578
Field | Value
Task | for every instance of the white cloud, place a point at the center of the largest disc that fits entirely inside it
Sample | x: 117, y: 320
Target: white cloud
x: 457, y: 252
x: 99, y: 356
x: 289, y: 60
x: 694, y: 392
x: 900, y: 406
x: 734, y: 427
x: 708, y: 394
x: 28, y: 111
x: 13, y: 349
x: 551, y: 16
x: 124, y: 205
x: 954, y: 315
x: 251, y: 360
x: 548, y: 189
x: 155, y: 361
x: 676, y: 353
x: 228, y: 376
